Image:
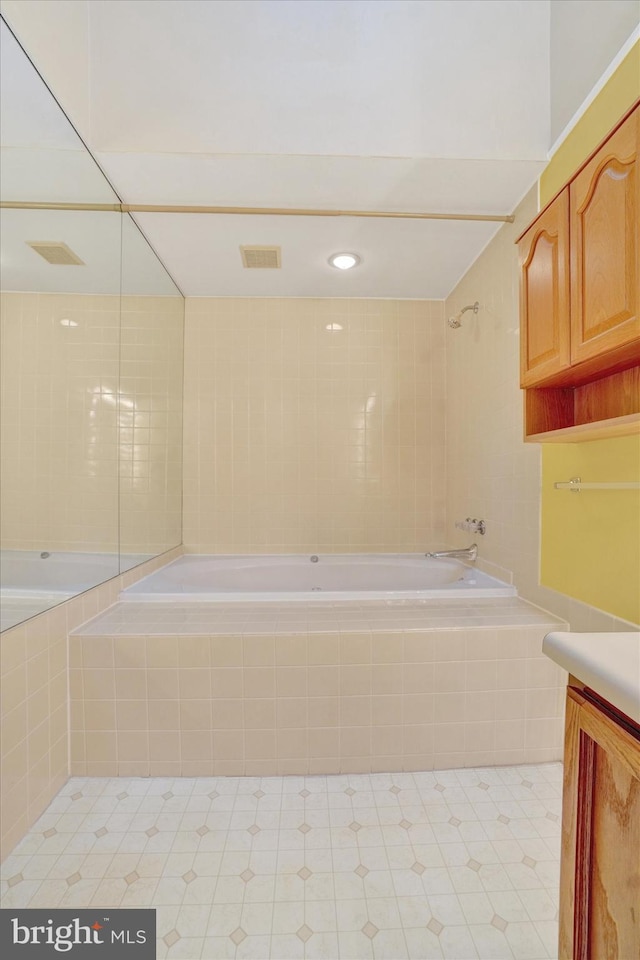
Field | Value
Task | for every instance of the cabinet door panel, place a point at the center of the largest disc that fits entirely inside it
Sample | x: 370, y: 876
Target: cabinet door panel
x: 544, y: 294
x: 600, y: 870
x: 605, y: 249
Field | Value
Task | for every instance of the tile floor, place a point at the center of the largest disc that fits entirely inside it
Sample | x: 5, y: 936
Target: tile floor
x: 457, y: 863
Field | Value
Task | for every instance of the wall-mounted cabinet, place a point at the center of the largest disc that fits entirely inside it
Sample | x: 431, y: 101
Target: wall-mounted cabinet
x: 580, y: 300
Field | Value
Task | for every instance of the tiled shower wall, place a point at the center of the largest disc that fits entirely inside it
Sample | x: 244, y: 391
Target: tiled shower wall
x: 91, y: 412
x: 150, y: 424
x: 491, y: 473
x: 59, y: 422
x: 313, y: 425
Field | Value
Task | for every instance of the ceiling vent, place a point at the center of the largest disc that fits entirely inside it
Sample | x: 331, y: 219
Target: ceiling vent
x: 261, y: 258
x: 56, y: 252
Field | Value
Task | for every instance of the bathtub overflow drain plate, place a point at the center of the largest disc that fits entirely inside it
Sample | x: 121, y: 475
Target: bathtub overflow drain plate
x: 314, y: 559
x: 316, y: 588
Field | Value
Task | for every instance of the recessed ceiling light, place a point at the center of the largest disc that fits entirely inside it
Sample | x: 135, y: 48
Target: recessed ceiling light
x: 344, y: 261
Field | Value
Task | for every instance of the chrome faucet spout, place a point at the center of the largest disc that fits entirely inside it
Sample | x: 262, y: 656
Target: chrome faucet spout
x: 469, y: 553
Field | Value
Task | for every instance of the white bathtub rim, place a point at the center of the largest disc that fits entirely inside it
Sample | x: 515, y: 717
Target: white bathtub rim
x: 472, y: 584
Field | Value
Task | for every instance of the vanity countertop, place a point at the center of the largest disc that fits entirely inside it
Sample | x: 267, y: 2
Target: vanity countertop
x: 608, y: 663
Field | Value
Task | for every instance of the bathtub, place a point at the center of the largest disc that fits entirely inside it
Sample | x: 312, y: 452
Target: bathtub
x: 330, y: 577
x: 33, y: 581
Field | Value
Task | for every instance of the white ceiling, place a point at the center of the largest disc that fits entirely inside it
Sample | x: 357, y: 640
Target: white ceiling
x: 407, y: 105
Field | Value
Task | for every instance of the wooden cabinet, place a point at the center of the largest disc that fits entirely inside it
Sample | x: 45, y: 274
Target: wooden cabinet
x: 605, y: 247
x: 600, y: 865
x: 580, y: 300
x: 544, y: 294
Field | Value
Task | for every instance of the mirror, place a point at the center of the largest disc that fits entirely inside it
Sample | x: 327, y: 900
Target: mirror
x: 91, y: 373
x: 150, y: 403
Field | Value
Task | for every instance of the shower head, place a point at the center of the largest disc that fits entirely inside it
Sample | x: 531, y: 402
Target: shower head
x: 455, y: 322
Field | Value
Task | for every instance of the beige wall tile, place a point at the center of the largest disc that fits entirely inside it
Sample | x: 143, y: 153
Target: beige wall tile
x: 162, y: 684
x: 259, y: 682
x: 13, y: 729
x: 163, y: 714
x: 194, y: 652
x: 291, y: 682
x: 355, y: 680
x: 196, y: 715
x: 194, y: 683
x: 162, y: 651
x: 196, y: 745
x: 131, y: 715
x: 291, y: 713
x: 228, y: 745
x: 386, y: 678
x: 13, y: 689
x: 37, y: 711
x: 355, y: 648
x: 133, y: 745
x: 260, y: 744
x: 99, y: 715
x: 129, y: 684
x: 101, y: 746
x: 227, y: 682
x: 226, y: 652
x: 323, y: 649
x: 387, y: 710
x: 258, y: 651
x: 292, y: 744
x: 165, y: 746
x: 323, y: 681
x: 355, y: 711
x: 257, y: 714
x: 129, y: 652
x: 301, y: 437
x: 355, y: 742
x: 99, y: 684
x: 230, y: 714
x: 324, y: 742
x: 324, y: 712
x: 420, y: 677
x: 387, y: 648
x: 291, y: 651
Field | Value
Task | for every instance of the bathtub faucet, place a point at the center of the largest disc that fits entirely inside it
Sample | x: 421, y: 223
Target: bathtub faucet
x: 469, y: 554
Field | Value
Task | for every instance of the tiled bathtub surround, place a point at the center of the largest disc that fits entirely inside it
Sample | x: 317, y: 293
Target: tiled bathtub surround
x: 34, y: 703
x: 313, y: 425
x: 457, y: 863
x: 368, y: 687
x: 491, y: 472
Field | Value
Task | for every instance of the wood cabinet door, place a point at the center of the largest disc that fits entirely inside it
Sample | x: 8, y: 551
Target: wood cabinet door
x: 605, y: 246
x: 600, y: 867
x: 543, y: 254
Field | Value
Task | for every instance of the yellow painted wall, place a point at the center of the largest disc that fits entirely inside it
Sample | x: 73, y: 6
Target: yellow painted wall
x: 591, y: 540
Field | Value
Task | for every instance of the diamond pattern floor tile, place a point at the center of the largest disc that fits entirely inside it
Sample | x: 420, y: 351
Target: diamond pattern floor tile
x: 436, y: 864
